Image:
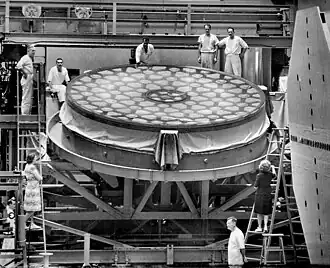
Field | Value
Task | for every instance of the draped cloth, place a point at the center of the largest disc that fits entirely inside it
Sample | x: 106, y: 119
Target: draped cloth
x: 167, y: 150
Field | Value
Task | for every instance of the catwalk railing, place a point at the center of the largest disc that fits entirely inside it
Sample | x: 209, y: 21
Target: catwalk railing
x: 125, y: 17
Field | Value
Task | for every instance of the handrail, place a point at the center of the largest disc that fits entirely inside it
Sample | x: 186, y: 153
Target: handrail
x: 146, y: 3
x: 82, y: 233
x: 190, y: 13
x: 155, y: 20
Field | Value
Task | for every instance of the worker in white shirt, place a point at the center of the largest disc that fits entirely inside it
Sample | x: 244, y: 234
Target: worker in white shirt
x: 58, y: 79
x: 208, y: 48
x: 234, y: 51
x: 25, y: 66
x: 143, y: 52
x: 236, y: 245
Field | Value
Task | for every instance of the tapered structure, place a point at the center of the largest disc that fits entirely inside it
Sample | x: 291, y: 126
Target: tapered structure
x: 309, y: 110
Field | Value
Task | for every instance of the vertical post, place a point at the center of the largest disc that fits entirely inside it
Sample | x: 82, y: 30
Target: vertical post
x: 68, y: 16
x: 20, y: 223
x: 10, y: 150
x: 189, y: 20
x: 87, y: 245
x: 114, y: 18
x: 128, y: 196
x: 105, y: 24
x: 205, y: 199
x: 165, y: 193
x: 7, y: 14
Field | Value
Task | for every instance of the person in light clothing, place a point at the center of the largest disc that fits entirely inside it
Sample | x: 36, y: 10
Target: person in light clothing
x: 234, y: 51
x: 236, y: 245
x: 143, y: 52
x: 58, y: 79
x: 208, y: 48
x: 25, y: 66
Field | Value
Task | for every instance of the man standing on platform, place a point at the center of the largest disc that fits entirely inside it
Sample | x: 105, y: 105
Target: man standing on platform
x: 207, y: 49
x: 25, y: 66
x: 58, y: 78
x: 235, y: 50
x: 236, y: 245
x: 143, y: 52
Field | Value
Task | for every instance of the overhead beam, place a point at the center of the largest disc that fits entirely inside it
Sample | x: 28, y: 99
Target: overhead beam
x: 75, y: 186
x: 131, y: 40
x: 100, y: 215
x: 234, y: 200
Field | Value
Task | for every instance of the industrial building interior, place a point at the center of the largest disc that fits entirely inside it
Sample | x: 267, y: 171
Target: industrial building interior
x: 133, y: 178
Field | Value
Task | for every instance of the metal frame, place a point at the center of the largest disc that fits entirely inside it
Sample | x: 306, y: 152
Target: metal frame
x: 116, y: 39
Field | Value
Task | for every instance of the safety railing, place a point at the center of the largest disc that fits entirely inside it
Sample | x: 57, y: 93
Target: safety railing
x: 127, y: 18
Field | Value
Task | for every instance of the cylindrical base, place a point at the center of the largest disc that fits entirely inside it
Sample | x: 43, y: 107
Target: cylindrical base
x: 21, y: 241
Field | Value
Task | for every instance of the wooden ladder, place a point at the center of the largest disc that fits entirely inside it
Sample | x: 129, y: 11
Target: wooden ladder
x: 278, y: 137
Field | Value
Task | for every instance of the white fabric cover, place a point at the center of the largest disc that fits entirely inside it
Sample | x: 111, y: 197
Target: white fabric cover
x: 193, y: 142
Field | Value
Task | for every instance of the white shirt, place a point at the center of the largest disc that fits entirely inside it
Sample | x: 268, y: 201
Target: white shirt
x: 26, y: 64
x: 236, y: 242
x: 209, y: 43
x: 141, y: 55
x: 233, y: 46
x: 56, y: 78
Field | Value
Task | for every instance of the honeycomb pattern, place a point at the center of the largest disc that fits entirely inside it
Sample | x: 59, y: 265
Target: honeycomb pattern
x: 164, y: 96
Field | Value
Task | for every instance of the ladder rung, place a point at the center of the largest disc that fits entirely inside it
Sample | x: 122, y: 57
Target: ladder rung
x: 291, y: 197
x: 252, y: 259
x: 303, y: 257
x: 286, y: 161
x: 293, y: 209
x: 297, y: 233
x: 253, y: 232
x: 289, y: 204
x: 274, y: 262
x: 253, y: 245
x: 287, y: 173
x: 274, y: 154
x: 289, y: 185
x: 301, y: 246
x: 298, y: 222
x: 28, y: 135
x: 28, y: 122
x: 274, y: 249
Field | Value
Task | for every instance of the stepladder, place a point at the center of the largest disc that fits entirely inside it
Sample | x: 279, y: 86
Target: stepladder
x: 261, y: 242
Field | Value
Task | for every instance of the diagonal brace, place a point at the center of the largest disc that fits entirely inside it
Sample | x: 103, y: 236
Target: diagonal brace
x: 187, y: 197
x: 145, y: 198
x: 234, y: 200
x: 75, y: 186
